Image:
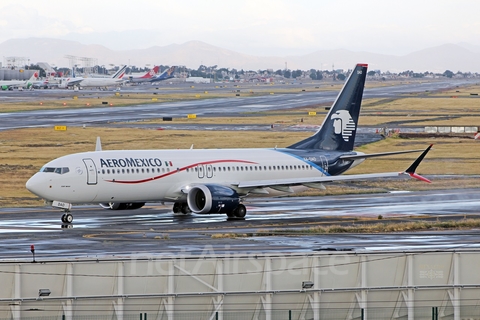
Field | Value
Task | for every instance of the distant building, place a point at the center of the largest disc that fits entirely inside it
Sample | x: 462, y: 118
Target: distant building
x: 198, y: 80
x: 16, y: 74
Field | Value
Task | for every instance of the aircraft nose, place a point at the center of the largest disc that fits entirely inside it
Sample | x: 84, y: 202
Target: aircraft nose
x: 36, y: 184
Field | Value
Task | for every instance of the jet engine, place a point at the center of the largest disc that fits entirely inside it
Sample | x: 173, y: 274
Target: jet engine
x: 210, y: 198
x: 122, y: 206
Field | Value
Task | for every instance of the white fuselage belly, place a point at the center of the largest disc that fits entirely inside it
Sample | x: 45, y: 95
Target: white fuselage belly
x: 97, y: 82
x: 157, y: 175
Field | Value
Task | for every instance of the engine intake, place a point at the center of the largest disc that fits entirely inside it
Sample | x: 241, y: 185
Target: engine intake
x: 211, y: 198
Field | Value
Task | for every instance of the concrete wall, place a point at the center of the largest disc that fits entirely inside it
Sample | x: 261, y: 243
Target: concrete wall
x: 451, y: 129
x: 386, y: 285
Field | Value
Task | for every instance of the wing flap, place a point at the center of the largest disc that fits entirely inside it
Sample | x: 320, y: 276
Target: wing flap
x: 274, y: 184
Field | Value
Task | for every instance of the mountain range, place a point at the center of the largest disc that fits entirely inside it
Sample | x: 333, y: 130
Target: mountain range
x: 454, y: 57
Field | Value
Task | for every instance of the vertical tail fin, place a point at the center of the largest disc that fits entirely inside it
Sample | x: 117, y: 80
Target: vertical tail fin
x: 33, y: 77
x: 167, y: 74
x: 340, y: 125
x: 120, y: 73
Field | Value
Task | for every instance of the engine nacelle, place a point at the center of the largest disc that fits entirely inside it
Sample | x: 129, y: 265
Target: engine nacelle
x: 211, y: 198
x: 122, y: 206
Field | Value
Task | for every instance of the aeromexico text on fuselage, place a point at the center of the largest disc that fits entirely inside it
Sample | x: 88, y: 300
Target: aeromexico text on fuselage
x: 133, y: 162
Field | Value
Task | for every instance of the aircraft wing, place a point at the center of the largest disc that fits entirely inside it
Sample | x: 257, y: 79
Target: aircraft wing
x: 305, y: 181
x: 74, y: 82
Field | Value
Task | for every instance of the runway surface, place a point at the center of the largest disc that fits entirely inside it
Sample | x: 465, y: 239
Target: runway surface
x: 155, y: 231
x: 207, y: 107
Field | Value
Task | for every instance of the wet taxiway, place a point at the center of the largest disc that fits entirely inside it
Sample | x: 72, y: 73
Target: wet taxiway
x: 154, y: 230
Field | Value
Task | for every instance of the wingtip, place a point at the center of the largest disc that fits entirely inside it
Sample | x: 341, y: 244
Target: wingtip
x: 419, y: 177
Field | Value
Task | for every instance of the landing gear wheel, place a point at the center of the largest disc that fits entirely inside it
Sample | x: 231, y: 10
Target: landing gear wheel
x: 177, y: 207
x: 240, y: 211
x: 230, y: 215
x: 185, y: 208
x: 68, y: 218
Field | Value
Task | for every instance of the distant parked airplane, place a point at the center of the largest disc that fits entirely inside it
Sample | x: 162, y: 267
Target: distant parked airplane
x: 114, y: 80
x: 143, y: 77
x: 167, y: 74
x: 9, y: 84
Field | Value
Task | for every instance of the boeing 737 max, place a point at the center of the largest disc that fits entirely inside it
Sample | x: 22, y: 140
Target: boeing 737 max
x: 206, y: 181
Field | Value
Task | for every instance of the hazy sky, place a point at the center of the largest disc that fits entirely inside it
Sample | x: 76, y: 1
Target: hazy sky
x: 258, y: 27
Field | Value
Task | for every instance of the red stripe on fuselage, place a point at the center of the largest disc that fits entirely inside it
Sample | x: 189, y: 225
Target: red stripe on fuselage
x: 178, y: 170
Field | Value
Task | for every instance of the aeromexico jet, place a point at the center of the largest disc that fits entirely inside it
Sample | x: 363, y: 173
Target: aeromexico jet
x: 210, y: 181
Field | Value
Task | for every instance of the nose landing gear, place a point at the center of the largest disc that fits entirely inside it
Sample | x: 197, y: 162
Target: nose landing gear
x: 67, y: 217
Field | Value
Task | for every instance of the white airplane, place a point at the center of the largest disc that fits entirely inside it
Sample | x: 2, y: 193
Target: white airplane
x: 210, y: 181
x: 114, y: 80
x: 69, y: 82
x: 7, y: 84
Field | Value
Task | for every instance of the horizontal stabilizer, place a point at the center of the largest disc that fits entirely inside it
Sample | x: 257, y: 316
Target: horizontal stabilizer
x: 373, y: 155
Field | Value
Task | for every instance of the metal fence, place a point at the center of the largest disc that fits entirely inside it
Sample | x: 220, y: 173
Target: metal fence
x: 430, y: 313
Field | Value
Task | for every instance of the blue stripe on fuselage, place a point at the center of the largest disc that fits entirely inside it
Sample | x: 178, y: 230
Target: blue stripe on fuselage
x: 304, y: 160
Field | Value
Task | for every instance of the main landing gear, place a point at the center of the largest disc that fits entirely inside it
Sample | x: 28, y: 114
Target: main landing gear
x: 238, y: 213
x: 181, y: 207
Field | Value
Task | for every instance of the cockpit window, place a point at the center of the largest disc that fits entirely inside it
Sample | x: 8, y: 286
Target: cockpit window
x: 61, y: 170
